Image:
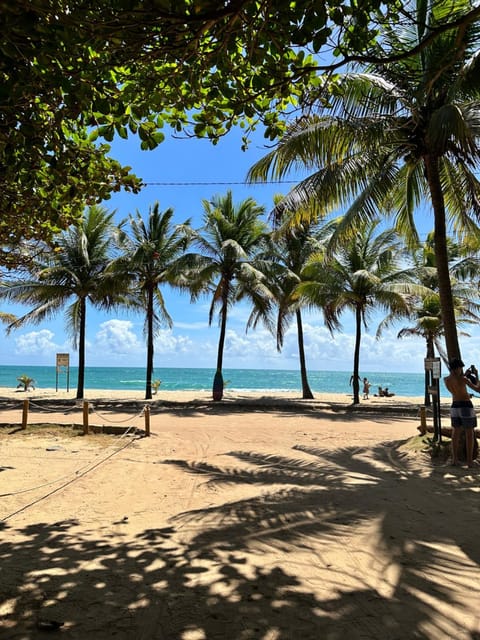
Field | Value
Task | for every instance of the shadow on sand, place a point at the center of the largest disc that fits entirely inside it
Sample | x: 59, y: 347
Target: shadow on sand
x: 228, y: 571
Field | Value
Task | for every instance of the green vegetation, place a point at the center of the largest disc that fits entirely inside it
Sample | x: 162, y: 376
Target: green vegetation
x: 74, y: 76
x: 393, y: 136
x: 151, y: 254
x: 386, y: 98
x: 229, y: 243
x: 425, y: 314
x: 74, y: 272
x: 289, y: 249
x: 361, y: 274
x: 26, y: 382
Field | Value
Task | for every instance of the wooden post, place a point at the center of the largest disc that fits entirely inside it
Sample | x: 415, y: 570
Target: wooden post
x: 423, y: 420
x: 25, y: 414
x: 146, y: 413
x: 85, y: 418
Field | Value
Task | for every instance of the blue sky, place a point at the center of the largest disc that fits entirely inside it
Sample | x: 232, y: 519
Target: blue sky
x: 116, y: 339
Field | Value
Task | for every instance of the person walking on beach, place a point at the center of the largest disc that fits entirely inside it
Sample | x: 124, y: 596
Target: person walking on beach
x: 462, y: 412
x: 366, y: 388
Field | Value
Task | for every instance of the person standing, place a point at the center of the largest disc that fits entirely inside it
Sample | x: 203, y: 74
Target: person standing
x: 472, y: 374
x: 366, y: 388
x: 462, y: 412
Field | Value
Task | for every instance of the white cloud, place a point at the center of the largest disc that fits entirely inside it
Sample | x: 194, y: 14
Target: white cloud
x: 167, y: 343
x: 116, y: 343
x: 325, y: 351
x: 36, y: 343
x: 115, y: 337
x: 241, y: 345
x: 120, y: 342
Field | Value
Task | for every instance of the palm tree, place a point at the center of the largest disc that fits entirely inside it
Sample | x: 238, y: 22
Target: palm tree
x: 77, y: 271
x: 363, y: 274
x: 152, y: 252
x: 26, y: 382
x: 289, y: 250
x: 426, y: 311
x: 396, y: 135
x: 229, y: 242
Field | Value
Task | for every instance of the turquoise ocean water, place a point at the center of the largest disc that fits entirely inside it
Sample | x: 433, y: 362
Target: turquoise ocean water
x: 175, y: 379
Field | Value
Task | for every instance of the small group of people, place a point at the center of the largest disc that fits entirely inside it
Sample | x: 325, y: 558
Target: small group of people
x: 382, y: 393
x: 462, y: 412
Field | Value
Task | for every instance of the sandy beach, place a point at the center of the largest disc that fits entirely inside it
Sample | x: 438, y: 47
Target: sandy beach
x: 271, y: 397
x: 257, y: 518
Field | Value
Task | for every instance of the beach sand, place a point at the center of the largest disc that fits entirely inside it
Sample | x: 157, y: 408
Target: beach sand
x: 257, y: 518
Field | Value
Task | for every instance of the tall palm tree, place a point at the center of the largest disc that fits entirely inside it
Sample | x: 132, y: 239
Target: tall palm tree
x: 425, y: 311
x: 396, y: 135
x: 363, y: 274
x: 152, y: 251
x: 289, y: 249
x: 76, y: 272
x: 229, y: 242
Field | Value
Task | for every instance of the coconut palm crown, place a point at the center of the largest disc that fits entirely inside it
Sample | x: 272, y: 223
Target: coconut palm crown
x: 397, y: 136
x: 75, y: 273
x: 152, y: 251
x: 287, y: 254
x: 229, y: 243
x: 425, y: 315
x: 361, y: 276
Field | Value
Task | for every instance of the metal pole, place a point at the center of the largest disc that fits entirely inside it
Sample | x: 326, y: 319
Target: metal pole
x: 439, y: 413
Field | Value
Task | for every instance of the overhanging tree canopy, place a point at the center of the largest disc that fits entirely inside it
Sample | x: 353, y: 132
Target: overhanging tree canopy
x: 74, y: 73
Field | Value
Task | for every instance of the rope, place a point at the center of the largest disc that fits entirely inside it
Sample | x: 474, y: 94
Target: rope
x: 78, y: 474
x: 46, y: 484
x: 139, y: 415
x: 94, y: 411
x: 54, y: 410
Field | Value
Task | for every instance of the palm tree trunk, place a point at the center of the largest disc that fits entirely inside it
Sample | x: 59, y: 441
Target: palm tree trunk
x: 217, y: 390
x: 356, y: 355
x: 81, y: 349
x: 306, y: 391
x: 150, y: 347
x: 221, y: 339
x: 441, y: 257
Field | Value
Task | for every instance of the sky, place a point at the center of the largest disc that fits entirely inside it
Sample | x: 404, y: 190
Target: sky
x: 116, y: 338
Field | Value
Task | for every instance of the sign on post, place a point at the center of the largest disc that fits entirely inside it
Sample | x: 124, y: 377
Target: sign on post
x: 63, y: 366
x: 433, y: 365
x: 433, y: 368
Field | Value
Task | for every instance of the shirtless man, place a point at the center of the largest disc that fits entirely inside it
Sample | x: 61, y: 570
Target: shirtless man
x: 462, y: 412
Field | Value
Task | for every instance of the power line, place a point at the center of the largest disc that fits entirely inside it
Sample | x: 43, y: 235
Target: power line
x: 208, y: 183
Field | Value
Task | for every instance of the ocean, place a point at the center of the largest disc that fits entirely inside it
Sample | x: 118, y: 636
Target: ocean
x: 177, y: 379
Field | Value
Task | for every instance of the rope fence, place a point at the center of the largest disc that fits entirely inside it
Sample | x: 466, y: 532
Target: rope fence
x: 86, y: 410
x: 67, y: 479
